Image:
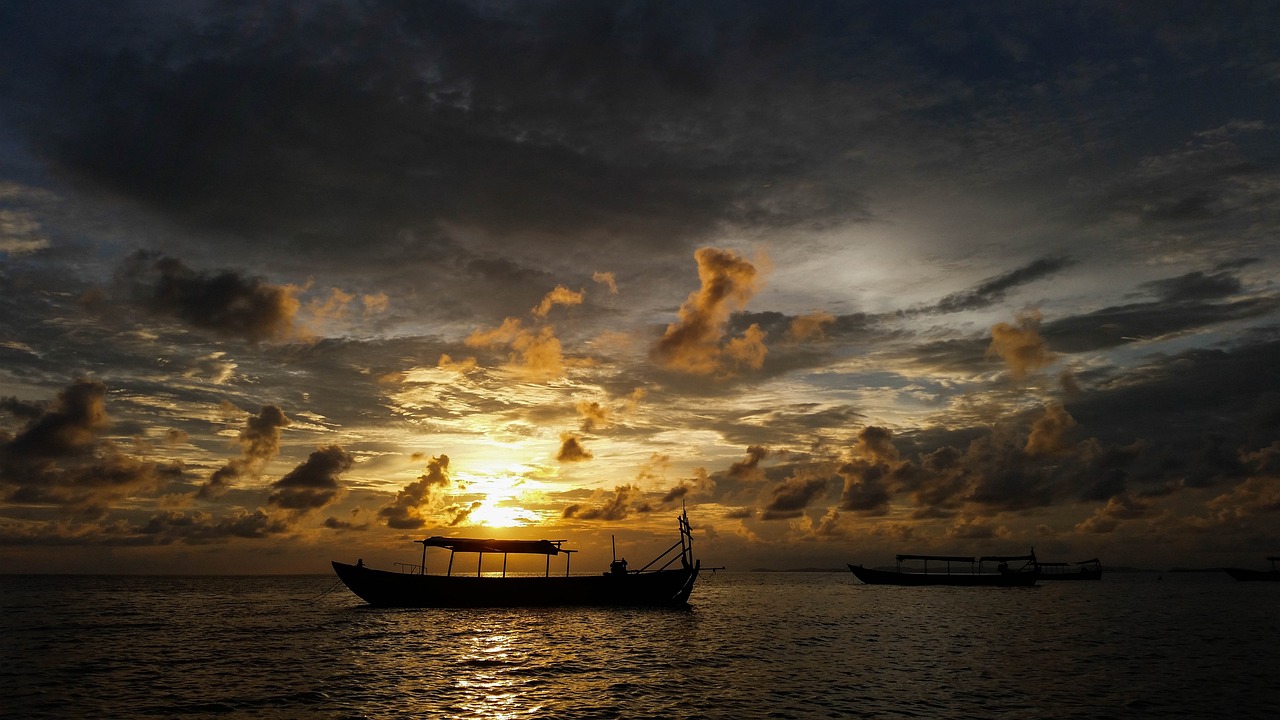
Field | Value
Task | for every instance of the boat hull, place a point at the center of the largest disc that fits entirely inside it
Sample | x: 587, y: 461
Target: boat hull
x: 392, y: 589
x: 890, y: 577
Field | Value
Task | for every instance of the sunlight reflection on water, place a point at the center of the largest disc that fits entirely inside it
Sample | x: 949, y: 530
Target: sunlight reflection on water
x: 753, y: 645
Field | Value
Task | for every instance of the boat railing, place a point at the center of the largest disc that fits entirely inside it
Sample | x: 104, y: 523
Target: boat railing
x: 411, y: 568
x: 948, y: 559
x: 975, y: 563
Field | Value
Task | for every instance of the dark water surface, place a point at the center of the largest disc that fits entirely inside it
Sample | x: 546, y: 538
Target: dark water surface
x: 754, y: 645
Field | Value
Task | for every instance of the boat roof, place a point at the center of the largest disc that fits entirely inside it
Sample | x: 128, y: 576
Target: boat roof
x: 948, y: 558
x: 1005, y: 558
x: 490, y: 545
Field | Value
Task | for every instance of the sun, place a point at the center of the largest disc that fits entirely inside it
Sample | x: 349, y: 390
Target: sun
x: 490, y: 514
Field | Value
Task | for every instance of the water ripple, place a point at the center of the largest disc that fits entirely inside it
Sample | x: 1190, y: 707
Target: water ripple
x: 776, y: 645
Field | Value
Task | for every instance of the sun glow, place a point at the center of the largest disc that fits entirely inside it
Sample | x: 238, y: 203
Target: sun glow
x: 498, y: 516
x: 500, y: 492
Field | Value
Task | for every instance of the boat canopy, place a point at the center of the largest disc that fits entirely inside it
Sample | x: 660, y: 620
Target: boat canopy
x: 945, y: 558
x: 1091, y: 561
x: 473, y: 545
x: 1006, y: 558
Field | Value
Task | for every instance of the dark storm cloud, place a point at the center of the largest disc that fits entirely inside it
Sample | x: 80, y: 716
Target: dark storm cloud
x: 793, y: 496
x: 749, y: 470
x: 259, y: 441
x: 1179, y: 398
x: 314, y: 483
x: 993, y: 290
x: 225, y: 302
x: 322, y: 120
x: 571, y: 449
x: 198, y: 527
x: 1183, y: 303
x: 873, y: 472
x: 61, y: 456
x: 412, y: 504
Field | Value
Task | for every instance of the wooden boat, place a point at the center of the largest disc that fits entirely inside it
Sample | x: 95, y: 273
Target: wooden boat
x: 651, y: 585
x: 974, y: 576
x: 1084, y: 570
x: 1244, y: 574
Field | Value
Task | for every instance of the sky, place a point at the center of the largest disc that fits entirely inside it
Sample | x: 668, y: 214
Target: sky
x: 281, y: 284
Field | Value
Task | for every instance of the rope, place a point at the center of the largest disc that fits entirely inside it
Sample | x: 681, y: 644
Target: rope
x: 337, y: 583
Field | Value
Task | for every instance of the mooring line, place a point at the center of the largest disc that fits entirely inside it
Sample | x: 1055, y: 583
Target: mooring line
x: 336, y: 584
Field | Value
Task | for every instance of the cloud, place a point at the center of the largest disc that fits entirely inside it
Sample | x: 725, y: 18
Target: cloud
x: 227, y: 303
x: 976, y: 528
x: 865, y: 488
x: 613, y: 508
x: 461, y: 513
x: 505, y: 334
x: 199, y: 527
x: 314, y: 483
x: 20, y: 233
x: 806, y: 328
x: 693, y: 344
x: 571, y: 449
x: 869, y: 472
x: 259, y: 441
x: 1117, y: 510
x: 748, y: 470
x: 1020, y: 346
x: 537, y: 353
x: 413, y: 504
x: 1183, y: 303
x: 607, y: 279
x: 993, y: 290
x: 213, y: 367
x: 1048, y: 432
x: 594, y: 415
x: 559, y: 296
x: 791, y: 497
x: 60, y: 456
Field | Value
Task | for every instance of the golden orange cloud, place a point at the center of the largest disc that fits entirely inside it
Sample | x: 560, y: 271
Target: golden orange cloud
x: 805, y: 328
x: 374, y: 304
x: 1048, y: 432
x: 594, y: 415
x: 504, y: 334
x: 608, y: 280
x: 1020, y: 346
x: 561, y: 295
x: 692, y: 344
x: 459, y: 366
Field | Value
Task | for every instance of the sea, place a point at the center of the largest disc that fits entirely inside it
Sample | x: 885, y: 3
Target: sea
x: 751, y: 645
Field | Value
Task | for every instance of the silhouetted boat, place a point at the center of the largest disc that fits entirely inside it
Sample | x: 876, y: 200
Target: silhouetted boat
x: 1025, y: 576
x: 617, y: 586
x: 1243, y: 574
x: 1083, y: 570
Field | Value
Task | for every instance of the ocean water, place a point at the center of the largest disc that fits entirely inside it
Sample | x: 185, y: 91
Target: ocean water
x: 752, y: 645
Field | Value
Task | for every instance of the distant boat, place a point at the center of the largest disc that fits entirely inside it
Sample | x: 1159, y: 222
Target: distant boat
x: 974, y: 575
x: 1243, y: 574
x: 1083, y: 570
x: 661, y: 586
